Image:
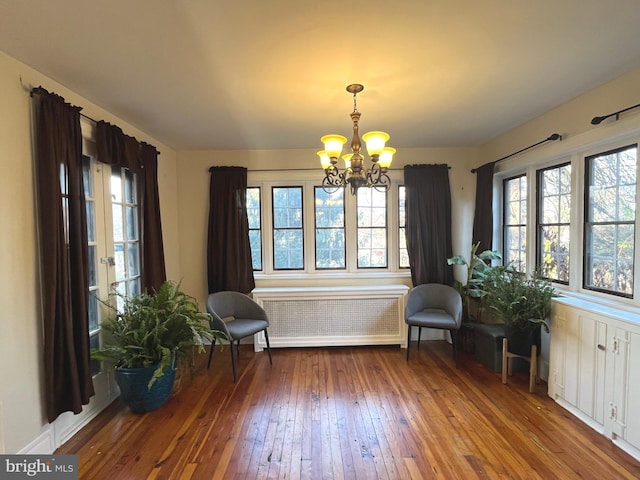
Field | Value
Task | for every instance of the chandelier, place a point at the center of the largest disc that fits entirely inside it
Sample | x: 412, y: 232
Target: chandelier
x: 355, y: 174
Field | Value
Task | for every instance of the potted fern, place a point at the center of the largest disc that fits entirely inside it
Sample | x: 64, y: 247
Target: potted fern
x: 146, y: 338
x: 523, y: 302
x: 478, y: 268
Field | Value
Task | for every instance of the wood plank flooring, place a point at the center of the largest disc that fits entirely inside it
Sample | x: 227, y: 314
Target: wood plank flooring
x: 348, y: 413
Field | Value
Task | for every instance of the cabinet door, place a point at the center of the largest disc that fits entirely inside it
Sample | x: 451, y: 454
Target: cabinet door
x: 625, y: 403
x: 632, y: 410
x: 578, y: 357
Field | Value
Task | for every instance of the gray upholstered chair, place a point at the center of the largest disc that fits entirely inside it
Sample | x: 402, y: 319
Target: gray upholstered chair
x: 434, y: 305
x: 238, y: 316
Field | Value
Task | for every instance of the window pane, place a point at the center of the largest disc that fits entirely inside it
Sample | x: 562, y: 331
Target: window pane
x: 94, y: 343
x: 93, y: 260
x: 120, y: 268
x: 288, y: 245
x: 94, y: 315
x: 256, y: 249
x: 129, y: 186
x: 255, y: 232
x: 118, y: 226
x: 610, y: 221
x: 134, y: 260
x: 330, y: 229
x: 132, y: 223
x: 125, y: 230
x: 515, y: 221
x: 402, y: 238
x: 554, y: 200
x: 288, y: 249
x: 372, y: 228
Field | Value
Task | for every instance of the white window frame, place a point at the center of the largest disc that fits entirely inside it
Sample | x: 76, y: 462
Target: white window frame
x: 309, y: 179
x: 574, y: 151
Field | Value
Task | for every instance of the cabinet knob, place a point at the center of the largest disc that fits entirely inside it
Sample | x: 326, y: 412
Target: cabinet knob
x: 601, y: 347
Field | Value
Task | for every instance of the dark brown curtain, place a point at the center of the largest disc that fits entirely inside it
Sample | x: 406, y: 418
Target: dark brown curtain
x: 116, y: 148
x: 428, y: 223
x: 483, y: 216
x: 229, y: 264
x: 64, y: 254
x: 153, y: 269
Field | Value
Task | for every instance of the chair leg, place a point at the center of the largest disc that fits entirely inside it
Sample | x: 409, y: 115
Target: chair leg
x: 454, y: 342
x: 233, y: 361
x: 408, y: 340
x: 238, y: 349
x: 419, y: 334
x: 266, y: 337
x: 213, y: 345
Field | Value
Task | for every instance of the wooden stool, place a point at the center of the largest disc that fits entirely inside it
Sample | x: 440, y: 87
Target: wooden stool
x: 507, y: 368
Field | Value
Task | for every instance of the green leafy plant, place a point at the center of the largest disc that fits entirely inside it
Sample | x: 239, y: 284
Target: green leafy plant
x: 520, y: 300
x: 479, y: 266
x: 155, y: 329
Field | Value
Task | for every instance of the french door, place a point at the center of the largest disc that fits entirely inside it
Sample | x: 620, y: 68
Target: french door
x: 114, y: 270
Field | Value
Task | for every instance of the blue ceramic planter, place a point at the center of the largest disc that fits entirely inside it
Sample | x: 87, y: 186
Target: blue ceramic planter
x: 133, y: 383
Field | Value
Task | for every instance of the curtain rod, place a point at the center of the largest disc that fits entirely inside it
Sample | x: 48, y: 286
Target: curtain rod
x: 41, y: 89
x: 550, y: 138
x: 598, y: 120
x: 316, y: 169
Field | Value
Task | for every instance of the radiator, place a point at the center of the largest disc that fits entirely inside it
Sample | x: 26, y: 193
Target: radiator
x: 333, y: 316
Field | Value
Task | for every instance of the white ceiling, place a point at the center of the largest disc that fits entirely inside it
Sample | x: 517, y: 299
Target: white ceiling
x: 263, y: 74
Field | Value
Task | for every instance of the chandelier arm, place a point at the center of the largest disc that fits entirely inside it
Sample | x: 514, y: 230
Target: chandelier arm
x: 383, y: 183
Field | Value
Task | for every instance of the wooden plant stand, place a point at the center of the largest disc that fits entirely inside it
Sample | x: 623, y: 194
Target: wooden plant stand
x: 507, y: 368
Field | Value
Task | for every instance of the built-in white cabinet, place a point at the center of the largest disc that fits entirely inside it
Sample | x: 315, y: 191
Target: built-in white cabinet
x: 594, y: 368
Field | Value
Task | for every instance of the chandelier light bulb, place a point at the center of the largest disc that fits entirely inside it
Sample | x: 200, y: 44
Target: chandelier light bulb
x: 386, y: 157
x: 375, y: 142
x: 333, y: 145
x: 325, y: 161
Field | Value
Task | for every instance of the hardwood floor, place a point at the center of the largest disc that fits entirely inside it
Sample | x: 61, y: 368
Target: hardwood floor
x: 348, y: 413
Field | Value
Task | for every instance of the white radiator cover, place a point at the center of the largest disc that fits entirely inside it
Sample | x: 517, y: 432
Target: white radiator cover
x: 333, y: 316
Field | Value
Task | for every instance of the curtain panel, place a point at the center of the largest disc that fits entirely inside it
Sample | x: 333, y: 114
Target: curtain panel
x: 116, y: 148
x: 483, y: 216
x: 229, y: 265
x: 153, y: 267
x: 428, y: 223
x: 64, y: 254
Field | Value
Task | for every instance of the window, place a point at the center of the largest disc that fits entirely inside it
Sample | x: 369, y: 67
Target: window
x: 610, y: 200
x: 330, y: 229
x: 515, y: 222
x: 255, y: 226
x: 126, y: 239
x: 403, y: 260
x: 554, y: 222
x: 288, y: 238
x: 372, y: 228
x: 94, y: 293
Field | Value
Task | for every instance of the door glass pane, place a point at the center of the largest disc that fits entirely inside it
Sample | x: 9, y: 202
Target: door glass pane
x: 132, y: 223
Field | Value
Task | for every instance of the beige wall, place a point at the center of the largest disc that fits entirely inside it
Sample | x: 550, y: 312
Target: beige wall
x: 193, y: 197
x: 571, y: 120
x: 21, y: 396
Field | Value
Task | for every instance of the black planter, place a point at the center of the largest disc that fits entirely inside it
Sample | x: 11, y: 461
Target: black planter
x: 134, y: 387
x: 521, y: 339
